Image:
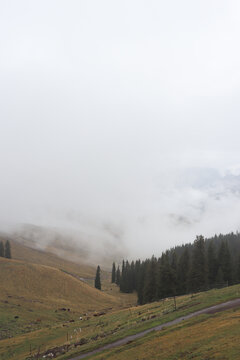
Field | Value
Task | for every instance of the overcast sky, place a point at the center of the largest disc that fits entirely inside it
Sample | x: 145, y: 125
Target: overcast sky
x: 121, y: 119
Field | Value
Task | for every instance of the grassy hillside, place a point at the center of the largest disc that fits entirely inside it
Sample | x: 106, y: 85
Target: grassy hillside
x: 204, y: 337
x: 43, y: 328
x: 28, y: 254
x: 34, y: 302
x: 34, y: 315
x: 48, y: 287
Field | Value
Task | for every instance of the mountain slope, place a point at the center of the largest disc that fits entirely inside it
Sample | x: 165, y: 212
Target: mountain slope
x: 48, y: 287
x: 28, y: 254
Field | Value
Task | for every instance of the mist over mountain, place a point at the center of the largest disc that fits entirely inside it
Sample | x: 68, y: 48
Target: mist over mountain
x: 119, y: 122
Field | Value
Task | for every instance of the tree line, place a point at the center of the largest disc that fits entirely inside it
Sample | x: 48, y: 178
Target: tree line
x: 205, y: 264
x: 5, y: 249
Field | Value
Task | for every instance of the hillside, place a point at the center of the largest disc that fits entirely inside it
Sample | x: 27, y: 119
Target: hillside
x: 212, y: 337
x: 34, y: 314
x: 36, y: 256
x: 48, y: 287
x: 34, y: 297
x: 38, y: 302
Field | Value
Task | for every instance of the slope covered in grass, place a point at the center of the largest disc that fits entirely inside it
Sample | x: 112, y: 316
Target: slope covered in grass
x: 48, y: 287
x: 204, y: 337
x: 115, y: 324
x: 28, y: 254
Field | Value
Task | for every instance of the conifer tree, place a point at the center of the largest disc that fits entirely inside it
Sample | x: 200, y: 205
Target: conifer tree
x: 212, y: 264
x: 1, y: 249
x: 7, y: 251
x: 149, y: 290
x: 224, y: 261
x: 118, y: 276
x: 123, y: 278
x: 133, y: 276
x: 140, y: 286
x: 238, y: 270
x: 220, y: 278
x: 183, y: 272
x: 198, y: 271
x: 166, y: 284
x: 113, y: 273
x: 98, y: 278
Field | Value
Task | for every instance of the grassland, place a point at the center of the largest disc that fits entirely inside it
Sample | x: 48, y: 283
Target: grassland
x: 129, y: 321
x: 34, y: 315
x: 27, y: 254
x: 38, y: 303
x: 202, y: 338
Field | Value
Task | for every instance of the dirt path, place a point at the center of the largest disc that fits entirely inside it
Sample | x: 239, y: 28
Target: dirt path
x: 210, y: 310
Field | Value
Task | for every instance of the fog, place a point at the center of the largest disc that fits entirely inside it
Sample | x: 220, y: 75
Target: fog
x: 119, y: 121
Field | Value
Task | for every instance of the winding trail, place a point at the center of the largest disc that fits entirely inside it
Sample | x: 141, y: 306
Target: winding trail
x: 210, y: 310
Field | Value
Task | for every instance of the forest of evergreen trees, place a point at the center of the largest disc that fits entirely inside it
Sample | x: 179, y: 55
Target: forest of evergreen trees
x: 5, y: 250
x: 205, y: 264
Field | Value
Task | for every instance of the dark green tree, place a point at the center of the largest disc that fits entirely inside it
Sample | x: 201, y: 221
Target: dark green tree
x: 224, y: 261
x: 212, y: 264
x: 1, y: 249
x: 149, y: 290
x: 140, y: 283
x: 7, y: 251
x: 123, y: 278
x: 166, y: 282
x: 118, y: 276
x: 220, y: 278
x: 198, y: 270
x: 238, y: 270
x: 113, y: 273
x: 183, y: 272
x: 98, y: 278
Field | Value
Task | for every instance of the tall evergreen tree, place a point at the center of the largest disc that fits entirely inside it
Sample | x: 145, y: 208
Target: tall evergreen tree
x: 224, y: 261
x: 118, y: 276
x: 149, y: 290
x: 140, y: 285
x: 123, y: 278
x: 198, y: 271
x: 220, y: 278
x: 183, y: 272
x: 113, y: 273
x: 98, y: 278
x: 7, y: 251
x: 212, y: 264
x: 166, y: 284
x: 1, y: 249
x: 238, y: 270
x: 128, y: 278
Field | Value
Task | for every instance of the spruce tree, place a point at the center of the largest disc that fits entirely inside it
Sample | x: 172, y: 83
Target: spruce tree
x: 224, y: 261
x: 198, y: 271
x: 212, y: 264
x: 7, y: 251
x: 149, y: 290
x: 1, y: 249
x: 183, y: 272
x: 98, y: 279
x: 113, y: 272
x: 220, y: 278
x: 238, y: 270
x: 166, y: 284
x: 140, y: 285
x: 118, y: 276
x: 123, y: 278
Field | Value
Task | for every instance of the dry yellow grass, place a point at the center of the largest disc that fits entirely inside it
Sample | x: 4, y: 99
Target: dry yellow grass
x: 44, y: 286
x: 31, y: 299
x: 214, y: 337
x: 25, y: 253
